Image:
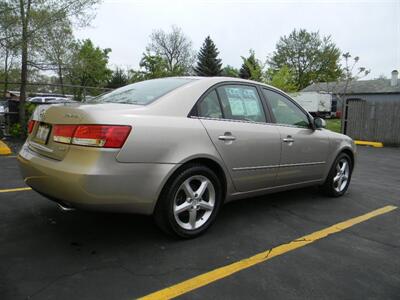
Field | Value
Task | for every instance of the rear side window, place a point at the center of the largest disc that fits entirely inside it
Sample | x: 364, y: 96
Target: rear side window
x: 209, y: 107
x: 143, y: 92
x: 240, y: 102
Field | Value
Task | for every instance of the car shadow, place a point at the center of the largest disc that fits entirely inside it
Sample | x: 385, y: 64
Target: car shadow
x: 64, y: 248
x: 119, y: 228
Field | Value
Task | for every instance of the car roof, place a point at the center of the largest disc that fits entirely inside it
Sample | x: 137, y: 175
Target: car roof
x: 181, y: 100
x: 217, y: 79
x: 213, y: 80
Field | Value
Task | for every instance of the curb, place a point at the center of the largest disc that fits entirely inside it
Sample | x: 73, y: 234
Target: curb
x: 367, y: 143
x: 4, y: 149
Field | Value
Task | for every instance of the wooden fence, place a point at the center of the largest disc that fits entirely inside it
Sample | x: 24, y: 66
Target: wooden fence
x: 373, y: 121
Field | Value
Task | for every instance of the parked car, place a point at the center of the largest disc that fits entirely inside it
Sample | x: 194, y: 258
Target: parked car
x: 178, y: 148
x: 49, y: 100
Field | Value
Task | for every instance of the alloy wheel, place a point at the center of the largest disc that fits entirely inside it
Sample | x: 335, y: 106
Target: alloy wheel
x: 342, y: 175
x: 194, y: 202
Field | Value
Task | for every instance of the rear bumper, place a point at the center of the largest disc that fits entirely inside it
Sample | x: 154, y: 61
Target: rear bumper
x: 93, y: 179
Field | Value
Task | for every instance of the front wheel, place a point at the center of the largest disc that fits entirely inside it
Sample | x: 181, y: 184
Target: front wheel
x: 339, y: 176
x: 190, y: 202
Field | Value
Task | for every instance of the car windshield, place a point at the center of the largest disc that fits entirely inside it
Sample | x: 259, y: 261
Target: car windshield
x: 141, y: 93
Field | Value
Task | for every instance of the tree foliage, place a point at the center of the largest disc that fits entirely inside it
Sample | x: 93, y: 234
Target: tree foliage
x: 9, y: 44
x: 56, y: 50
x: 89, y: 66
x: 311, y: 57
x: 153, y: 66
x: 208, y: 63
x: 252, y: 68
x: 8, y: 20
x: 282, y: 79
x: 118, y: 79
x: 174, y: 47
x: 230, y: 71
x: 32, y: 18
x: 12, y: 75
x: 350, y: 69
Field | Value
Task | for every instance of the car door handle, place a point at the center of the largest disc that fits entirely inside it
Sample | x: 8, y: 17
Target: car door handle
x: 288, y: 140
x: 227, y: 137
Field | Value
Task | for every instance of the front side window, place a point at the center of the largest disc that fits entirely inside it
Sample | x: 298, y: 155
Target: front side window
x: 141, y: 93
x: 285, y: 111
x: 209, y: 107
x: 240, y: 102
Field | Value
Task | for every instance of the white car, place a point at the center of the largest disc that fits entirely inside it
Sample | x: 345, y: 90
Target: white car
x: 49, y: 100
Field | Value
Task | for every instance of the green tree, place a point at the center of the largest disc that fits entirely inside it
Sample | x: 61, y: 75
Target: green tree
x: 174, y: 47
x: 118, y: 79
x: 56, y: 50
x: 208, y: 63
x: 9, y: 48
x: 89, y: 67
x: 282, y: 79
x: 154, y: 66
x: 230, y: 71
x: 33, y: 17
x: 252, y: 68
x: 12, y: 75
x: 311, y: 57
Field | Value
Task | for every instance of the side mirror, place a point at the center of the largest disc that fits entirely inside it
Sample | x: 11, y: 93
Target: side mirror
x: 319, y: 123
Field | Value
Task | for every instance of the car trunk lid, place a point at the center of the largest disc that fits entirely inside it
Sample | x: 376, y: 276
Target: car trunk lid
x: 47, y: 116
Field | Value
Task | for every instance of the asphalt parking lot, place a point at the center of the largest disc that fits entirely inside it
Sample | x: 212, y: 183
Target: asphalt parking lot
x: 49, y: 254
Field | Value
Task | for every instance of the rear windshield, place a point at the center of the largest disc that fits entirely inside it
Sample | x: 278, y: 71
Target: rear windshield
x: 141, y: 93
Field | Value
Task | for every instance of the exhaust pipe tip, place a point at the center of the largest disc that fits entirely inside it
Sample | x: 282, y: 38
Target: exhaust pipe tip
x: 65, y: 208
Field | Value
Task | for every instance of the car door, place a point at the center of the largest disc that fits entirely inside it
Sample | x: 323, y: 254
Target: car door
x: 234, y: 118
x: 304, y: 149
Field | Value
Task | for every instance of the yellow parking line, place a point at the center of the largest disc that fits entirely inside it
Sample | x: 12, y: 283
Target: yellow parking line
x: 368, y: 143
x: 222, y: 272
x: 15, y: 190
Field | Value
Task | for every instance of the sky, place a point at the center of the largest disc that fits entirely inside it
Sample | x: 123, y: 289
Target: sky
x: 368, y: 29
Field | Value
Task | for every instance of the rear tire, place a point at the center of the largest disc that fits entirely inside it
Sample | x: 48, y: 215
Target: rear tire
x: 190, y: 201
x: 339, y: 176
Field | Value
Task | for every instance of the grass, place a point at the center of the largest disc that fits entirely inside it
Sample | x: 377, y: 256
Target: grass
x: 333, y: 124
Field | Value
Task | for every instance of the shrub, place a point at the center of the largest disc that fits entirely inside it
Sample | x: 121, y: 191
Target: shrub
x: 16, y: 130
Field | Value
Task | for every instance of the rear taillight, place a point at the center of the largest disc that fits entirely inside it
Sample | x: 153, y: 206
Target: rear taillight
x: 31, y: 124
x: 105, y: 136
x: 64, y: 133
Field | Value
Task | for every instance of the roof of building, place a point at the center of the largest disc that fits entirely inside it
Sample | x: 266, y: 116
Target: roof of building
x: 376, y: 86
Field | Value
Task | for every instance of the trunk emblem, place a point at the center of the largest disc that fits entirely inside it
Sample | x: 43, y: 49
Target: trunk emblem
x: 71, y: 116
x: 42, y: 115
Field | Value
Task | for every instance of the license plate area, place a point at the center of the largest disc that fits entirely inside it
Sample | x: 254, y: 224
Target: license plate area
x: 42, y: 133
